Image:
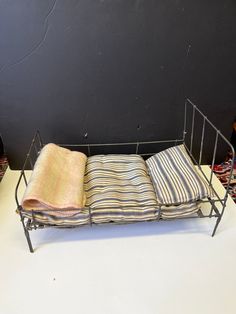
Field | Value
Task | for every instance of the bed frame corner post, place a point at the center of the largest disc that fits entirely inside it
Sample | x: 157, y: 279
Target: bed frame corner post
x: 26, y: 231
x: 221, y: 213
x: 29, y: 241
x: 216, y: 225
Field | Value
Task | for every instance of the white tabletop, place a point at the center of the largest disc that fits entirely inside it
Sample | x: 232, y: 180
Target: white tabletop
x: 167, y: 267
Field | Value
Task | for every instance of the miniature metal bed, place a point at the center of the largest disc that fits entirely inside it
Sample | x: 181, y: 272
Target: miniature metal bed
x: 196, y: 130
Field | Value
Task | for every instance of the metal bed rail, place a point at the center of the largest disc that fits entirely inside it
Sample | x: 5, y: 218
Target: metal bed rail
x: 136, y: 145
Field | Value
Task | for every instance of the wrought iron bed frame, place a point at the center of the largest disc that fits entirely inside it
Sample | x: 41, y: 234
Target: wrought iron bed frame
x: 218, y: 204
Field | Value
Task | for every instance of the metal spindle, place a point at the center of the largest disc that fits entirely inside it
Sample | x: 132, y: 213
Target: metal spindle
x: 214, y: 156
x: 185, y: 119
x: 202, y: 139
x: 192, y: 129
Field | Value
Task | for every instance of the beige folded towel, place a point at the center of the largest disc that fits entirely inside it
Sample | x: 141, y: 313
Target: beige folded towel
x: 57, y: 181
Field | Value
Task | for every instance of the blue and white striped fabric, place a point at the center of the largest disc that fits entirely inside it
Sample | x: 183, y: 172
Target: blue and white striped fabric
x: 175, y: 178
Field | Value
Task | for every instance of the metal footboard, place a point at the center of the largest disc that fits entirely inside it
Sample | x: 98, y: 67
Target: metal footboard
x: 218, y: 204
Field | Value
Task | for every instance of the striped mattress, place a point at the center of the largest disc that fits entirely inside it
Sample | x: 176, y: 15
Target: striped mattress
x: 118, y: 189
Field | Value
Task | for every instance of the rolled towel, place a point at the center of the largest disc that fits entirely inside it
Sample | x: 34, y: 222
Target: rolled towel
x: 57, y: 181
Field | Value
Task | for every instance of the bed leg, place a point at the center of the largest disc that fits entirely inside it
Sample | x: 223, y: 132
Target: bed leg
x: 216, y: 225
x: 29, y: 241
x: 26, y: 233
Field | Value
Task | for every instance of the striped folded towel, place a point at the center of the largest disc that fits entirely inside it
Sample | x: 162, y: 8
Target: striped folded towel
x: 175, y: 178
x: 57, y: 181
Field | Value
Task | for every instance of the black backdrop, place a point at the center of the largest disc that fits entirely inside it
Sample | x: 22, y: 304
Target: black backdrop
x: 117, y: 70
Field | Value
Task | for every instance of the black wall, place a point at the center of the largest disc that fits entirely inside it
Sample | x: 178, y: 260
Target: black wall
x: 106, y: 67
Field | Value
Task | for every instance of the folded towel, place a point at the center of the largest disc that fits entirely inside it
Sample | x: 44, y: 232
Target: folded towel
x: 57, y: 181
